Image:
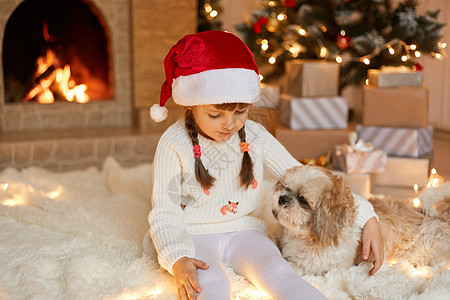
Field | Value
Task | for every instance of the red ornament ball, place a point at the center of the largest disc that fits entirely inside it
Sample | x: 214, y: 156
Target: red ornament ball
x: 342, y: 41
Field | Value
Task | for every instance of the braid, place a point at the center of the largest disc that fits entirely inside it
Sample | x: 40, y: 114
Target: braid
x: 201, y: 174
x: 246, y: 173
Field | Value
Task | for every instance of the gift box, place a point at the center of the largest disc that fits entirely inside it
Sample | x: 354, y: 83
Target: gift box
x: 270, y: 96
x: 358, y: 183
x: 269, y: 118
x: 403, y: 172
x: 402, y: 107
x: 311, y: 78
x: 408, y: 142
x: 310, y: 144
x: 313, y: 113
x: 358, y: 162
x: 394, y: 76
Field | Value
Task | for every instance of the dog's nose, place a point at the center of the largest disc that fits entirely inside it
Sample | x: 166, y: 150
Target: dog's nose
x: 283, y: 199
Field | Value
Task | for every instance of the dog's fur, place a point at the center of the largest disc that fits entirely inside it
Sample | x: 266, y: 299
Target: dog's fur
x: 317, y: 212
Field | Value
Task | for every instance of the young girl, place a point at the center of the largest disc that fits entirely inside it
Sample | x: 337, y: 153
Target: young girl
x: 208, y: 168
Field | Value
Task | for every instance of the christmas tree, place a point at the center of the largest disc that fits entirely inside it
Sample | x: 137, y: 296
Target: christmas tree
x: 208, y: 12
x: 359, y: 34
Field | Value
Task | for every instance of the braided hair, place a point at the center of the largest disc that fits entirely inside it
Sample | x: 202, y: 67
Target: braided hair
x: 202, y: 175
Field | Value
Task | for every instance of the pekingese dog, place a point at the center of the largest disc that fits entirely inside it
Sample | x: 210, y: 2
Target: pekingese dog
x: 317, y: 212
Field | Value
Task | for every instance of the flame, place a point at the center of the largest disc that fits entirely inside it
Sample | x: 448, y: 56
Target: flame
x: 59, y: 78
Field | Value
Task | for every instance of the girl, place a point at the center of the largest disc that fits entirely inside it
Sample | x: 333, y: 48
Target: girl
x: 207, y: 171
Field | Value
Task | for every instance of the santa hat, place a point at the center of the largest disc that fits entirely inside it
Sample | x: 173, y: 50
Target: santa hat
x: 210, y: 67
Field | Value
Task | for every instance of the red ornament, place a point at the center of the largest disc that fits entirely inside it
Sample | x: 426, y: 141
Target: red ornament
x: 258, y: 24
x: 289, y: 3
x: 417, y: 67
x: 342, y: 41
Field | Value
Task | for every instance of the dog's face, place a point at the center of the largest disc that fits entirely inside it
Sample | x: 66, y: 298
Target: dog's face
x: 309, y: 198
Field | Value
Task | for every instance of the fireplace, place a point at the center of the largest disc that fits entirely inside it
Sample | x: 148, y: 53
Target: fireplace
x: 65, y: 65
x: 130, y: 40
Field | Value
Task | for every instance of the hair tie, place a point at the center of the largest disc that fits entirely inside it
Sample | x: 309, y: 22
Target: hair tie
x: 197, y: 151
x: 244, y: 147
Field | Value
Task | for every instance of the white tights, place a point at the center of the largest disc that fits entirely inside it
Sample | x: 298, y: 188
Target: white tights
x: 252, y: 255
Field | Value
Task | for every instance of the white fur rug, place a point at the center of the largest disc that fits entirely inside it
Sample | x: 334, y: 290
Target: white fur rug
x: 78, y: 235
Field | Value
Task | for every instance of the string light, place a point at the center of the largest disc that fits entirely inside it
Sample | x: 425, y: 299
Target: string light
x: 412, y: 47
x: 417, y: 54
x: 302, y: 32
x: 404, y: 58
x: 264, y: 47
x: 208, y: 7
x: 281, y: 17
x: 214, y: 14
x: 366, y: 61
x: 323, y: 52
x: 272, y: 60
x: 338, y: 59
x: 391, y: 50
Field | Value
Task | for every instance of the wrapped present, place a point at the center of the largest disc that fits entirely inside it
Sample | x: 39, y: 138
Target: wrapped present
x: 408, y: 142
x: 358, y: 183
x: 311, y: 78
x: 386, y: 106
x: 310, y: 144
x: 358, y: 157
x: 270, y: 96
x: 268, y: 117
x: 313, y: 113
x: 404, y: 172
x: 394, y: 76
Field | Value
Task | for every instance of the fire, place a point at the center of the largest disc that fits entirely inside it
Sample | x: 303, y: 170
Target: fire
x: 55, y: 78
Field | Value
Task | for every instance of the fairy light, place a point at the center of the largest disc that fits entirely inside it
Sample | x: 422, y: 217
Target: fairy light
x: 416, y: 202
x: 417, y: 54
x: 323, y: 28
x: 272, y: 3
x: 323, y: 52
x: 281, y: 17
x: 404, y: 57
x: 214, y: 14
x: 302, y: 32
x: 391, y: 50
x: 272, y: 60
x: 261, y: 77
x: 366, y: 61
x: 413, y: 47
x: 264, y: 47
x: 338, y: 59
x: 4, y: 186
x: 208, y: 7
x: 438, y: 55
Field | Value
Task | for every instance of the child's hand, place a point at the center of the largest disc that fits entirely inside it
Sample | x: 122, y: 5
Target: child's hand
x: 373, y: 241
x: 185, y: 274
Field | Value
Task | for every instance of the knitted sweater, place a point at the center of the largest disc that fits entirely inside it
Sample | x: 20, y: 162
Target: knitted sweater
x: 181, y: 207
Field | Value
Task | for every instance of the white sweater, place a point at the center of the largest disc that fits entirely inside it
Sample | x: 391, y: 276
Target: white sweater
x: 181, y: 207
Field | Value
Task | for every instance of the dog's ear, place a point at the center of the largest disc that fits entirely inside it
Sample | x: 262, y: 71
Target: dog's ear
x: 333, y: 213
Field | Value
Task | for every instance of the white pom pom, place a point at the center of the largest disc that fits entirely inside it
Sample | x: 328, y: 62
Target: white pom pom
x: 158, y: 113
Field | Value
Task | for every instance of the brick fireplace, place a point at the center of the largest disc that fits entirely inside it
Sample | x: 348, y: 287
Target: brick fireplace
x: 66, y: 135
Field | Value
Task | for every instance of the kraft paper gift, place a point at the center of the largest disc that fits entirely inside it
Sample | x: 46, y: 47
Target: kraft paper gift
x: 270, y: 96
x: 311, y: 78
x: 397, y: 107
x: 394, y: 76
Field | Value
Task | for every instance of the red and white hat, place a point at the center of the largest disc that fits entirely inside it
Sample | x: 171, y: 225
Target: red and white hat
x: 210, y: 67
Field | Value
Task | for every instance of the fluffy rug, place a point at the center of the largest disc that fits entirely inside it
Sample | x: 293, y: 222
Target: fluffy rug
x: 78, y: 235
